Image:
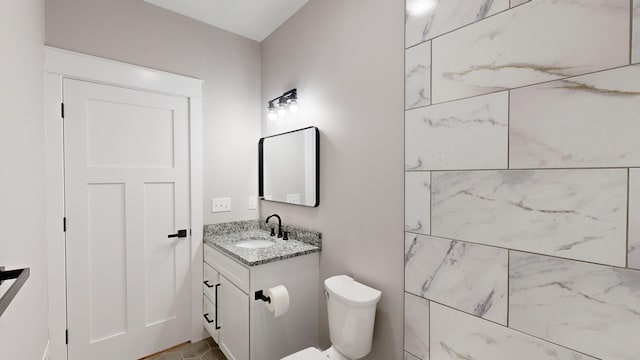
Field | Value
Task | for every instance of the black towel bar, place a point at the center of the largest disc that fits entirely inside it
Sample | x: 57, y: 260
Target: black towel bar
x: 21, y: 276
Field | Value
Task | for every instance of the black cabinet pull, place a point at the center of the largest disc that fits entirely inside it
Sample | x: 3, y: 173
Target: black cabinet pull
x: 217, y: 327
x: 206, y: 317
x: 206, y: 282
x: 180, y: 234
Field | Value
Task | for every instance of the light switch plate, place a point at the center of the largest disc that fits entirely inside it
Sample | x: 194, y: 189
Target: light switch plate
x: 220, y: 205
x: 252, y: 202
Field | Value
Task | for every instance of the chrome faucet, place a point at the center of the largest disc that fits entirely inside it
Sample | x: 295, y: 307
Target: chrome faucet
x: 279, y: 225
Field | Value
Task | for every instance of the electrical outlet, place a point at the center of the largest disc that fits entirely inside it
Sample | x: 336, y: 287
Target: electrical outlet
x: 252, y: 202
x: 220, y: 205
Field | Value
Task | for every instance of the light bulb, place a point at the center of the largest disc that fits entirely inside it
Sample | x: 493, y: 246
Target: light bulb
x: 293, y: 106
x: 282, y: 111
x: 271, y: 115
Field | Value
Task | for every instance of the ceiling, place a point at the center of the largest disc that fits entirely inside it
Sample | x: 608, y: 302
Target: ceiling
x: 253, y: 19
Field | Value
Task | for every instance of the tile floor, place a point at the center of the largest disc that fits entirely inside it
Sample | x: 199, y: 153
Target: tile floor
x: 206, y: 349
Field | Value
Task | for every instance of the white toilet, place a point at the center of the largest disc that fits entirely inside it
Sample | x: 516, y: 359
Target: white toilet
x: 351, y: 307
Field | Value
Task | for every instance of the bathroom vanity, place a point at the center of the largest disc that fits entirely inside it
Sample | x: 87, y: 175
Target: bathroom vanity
x: 240, y: 259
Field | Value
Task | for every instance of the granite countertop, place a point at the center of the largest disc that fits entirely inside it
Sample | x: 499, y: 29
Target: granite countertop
x: 223, y: 237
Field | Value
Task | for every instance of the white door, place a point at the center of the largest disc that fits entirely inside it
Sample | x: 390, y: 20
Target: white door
x: 233, y: 312
x: 126, y: 191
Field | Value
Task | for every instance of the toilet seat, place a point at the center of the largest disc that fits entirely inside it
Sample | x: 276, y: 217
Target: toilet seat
x: 310, y: 353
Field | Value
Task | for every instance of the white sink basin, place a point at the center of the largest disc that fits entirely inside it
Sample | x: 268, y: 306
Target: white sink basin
x: 254, y: 244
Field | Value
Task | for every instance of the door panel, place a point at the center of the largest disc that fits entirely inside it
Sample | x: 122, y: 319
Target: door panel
x: 233, y: 313
x: 126, y: 185
x: 142, y: 134
x: 107, y: 264
x: 160, y: 256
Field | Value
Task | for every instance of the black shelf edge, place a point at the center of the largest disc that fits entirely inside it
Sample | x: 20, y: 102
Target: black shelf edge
x: 21, y: 276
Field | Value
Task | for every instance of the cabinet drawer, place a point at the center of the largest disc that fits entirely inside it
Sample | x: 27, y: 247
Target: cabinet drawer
x: 236, y: 273
x: 210, y: 282
x: 210, y: 315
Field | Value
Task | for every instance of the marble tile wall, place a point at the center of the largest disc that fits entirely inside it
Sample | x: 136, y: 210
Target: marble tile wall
x: 512, y: 49
x: 416, y: 326
x: 417, y: 203
x: 455, y: 335
x: 522, y: 180
x: 518, y: 2
x: 575, y: 108
x: 465, y: 134
x: 578, y: 214
x: 426, y: 19
x: 417, y: 78
x: 591, y: 308
x: 466, y: 276
x: 408, y: 356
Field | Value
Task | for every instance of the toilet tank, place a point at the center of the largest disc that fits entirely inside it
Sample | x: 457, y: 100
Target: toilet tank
x: 351, y: 307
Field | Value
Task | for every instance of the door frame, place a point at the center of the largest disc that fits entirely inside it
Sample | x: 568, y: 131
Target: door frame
x: 63, y: 64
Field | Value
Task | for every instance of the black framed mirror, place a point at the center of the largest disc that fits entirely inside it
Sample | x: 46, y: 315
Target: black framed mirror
x: 289, y: 167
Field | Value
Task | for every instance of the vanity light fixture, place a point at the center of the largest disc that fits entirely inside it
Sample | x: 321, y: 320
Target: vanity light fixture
x: 288, y: 100
x: 293, y: 105
x: 282, y: 107
x: 271, y: 113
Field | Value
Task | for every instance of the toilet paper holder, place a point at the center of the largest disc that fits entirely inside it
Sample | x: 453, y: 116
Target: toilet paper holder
x: 259, y: 295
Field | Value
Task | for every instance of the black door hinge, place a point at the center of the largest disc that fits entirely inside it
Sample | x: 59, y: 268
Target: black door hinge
x: 64, y: 224
x: 66, y: 337
x: 62, y: 110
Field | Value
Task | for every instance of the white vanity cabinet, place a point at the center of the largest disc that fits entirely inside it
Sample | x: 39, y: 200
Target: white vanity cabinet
x: 242, y: 326
x: 234, y: 321
x: 226, y: 306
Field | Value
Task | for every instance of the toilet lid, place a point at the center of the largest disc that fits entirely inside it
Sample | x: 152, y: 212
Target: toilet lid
x: 306, y: 354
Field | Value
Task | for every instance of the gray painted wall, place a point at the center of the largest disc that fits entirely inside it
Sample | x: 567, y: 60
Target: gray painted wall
x: 346, y: 59
x: 522, y: 208
x: 142, y: 34
x: 23, y: 327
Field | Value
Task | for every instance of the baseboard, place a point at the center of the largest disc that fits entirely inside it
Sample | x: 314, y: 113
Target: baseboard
x: 201, y: 335
x: 46, y: 355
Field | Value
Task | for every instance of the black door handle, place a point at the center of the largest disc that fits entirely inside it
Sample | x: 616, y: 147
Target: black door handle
x: 217, y: 327
x: 207, y: 284
x: 179, y: 234
x: 206, y: 317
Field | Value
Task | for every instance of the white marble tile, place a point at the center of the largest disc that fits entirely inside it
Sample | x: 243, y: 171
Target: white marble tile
x: 594, y: 309
x: 458, y: 336
x: 523, y: 46
x: 417, y: 76
x: 426, y: 19
x: 584, y: 121
x: 408, y: 356
x: 636, y: 32
x: 576, y: 214
x: 466, y: 134
x: 518, y: 2
x: 634, y: 219
x: 416, y: 326
x: 417, y: 202
x: 468, y: 277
